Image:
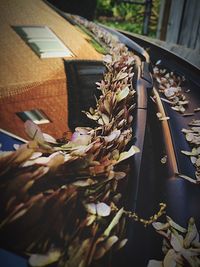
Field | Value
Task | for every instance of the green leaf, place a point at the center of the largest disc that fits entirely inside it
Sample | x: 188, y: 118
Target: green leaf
x: 114, y: 222
x: 122, y: 94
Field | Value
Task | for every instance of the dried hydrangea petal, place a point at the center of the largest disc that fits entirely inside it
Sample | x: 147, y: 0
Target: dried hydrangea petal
x: 121, y: 244
x: 50, y: 139
x: 122, y: 94
x: 191, y: 233
x: 175, y: 225
x: 36, y: 155
x: 103, y: 209
x: 39, y: 260
x: 154, y: 263
x: 160, y: 226
x: 91, y: 208
x: 169, y: 260
x: 127, y: 154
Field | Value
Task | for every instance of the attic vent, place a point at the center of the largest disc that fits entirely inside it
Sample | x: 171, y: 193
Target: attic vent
x: 43, y: 41
x: 35, y: 115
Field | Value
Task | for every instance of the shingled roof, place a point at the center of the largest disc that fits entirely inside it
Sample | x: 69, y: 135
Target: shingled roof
x: 27, y: 81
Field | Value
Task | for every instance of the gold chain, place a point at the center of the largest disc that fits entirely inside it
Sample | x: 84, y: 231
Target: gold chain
x: 136, y: 218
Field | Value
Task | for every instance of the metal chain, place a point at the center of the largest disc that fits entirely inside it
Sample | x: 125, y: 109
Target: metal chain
x: 135, y: 217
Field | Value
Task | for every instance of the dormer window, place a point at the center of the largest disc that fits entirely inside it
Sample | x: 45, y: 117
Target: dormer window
x: 43, y: 41
x: 35, y: 115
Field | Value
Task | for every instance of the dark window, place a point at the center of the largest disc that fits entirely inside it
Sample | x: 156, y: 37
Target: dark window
x: 35, y: 115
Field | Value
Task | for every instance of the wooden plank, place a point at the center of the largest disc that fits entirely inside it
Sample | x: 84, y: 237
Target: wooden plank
x: 171, y: 157
x: 174, y: 22
x: 197, y: 43
x: 190, y: 24
x: 163, y: 19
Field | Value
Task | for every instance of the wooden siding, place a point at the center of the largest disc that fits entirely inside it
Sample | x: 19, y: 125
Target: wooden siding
x: 189, y: 31
x: 183, y: 25
x: 174, y: 22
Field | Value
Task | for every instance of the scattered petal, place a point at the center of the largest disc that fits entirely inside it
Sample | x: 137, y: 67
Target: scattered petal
x: 127, y: 154
x: 191, y: 233
x: 175, y: 225
x: 39, y: 260
x: 160, y: 226
x: 122, y: 243
x: 48, y: 138
x: 154, y: 263
x: 169, y: 260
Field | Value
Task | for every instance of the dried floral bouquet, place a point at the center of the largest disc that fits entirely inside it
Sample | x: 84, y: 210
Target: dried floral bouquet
x: 59, y: 197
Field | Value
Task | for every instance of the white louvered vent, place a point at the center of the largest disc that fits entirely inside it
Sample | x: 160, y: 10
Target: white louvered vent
x: 43, y: 41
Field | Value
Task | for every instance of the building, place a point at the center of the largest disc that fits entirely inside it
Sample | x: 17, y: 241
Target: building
x: 29, y: 82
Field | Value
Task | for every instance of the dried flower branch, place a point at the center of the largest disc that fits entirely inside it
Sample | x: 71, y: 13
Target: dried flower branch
x: 61, y: 192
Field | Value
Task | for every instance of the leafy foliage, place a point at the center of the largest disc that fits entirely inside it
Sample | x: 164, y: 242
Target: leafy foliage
x: 126, y: 16
x: 104, y: 8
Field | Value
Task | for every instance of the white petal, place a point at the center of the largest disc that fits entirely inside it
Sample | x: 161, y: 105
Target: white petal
x: 122, y: 243
x: 16, y: 146
x: 175, y: 225
x: 39, y: 260
x: 91, y: 208
x: 127, y: 154
x: 48, y: 138
x: 103, y: 209
x: 110, y: 242
x: 169, y: 260
x: 175, y: 242
x: 36, y: 155
x: 154, y: 263
x: 160, y: 226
